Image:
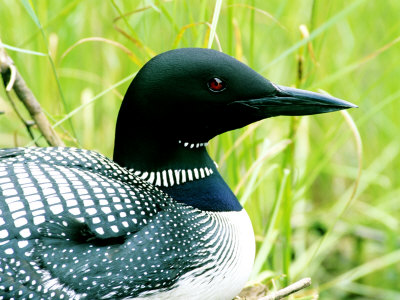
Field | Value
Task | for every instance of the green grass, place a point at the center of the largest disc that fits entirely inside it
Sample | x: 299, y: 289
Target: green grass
x: 296, y: 176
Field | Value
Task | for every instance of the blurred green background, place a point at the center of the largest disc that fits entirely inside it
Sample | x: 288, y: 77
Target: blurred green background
x: 316, y: 211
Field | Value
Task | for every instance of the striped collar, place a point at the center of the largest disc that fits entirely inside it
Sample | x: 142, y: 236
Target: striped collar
x: 168, y: 178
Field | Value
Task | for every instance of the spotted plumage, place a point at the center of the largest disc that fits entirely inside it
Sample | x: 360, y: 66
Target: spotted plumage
x: 158, y: 222
x: 89, y: 228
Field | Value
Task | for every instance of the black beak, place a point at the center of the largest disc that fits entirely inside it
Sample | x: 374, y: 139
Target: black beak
x: 286, y: 101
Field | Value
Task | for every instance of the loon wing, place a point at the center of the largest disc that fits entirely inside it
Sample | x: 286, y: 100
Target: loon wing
x: 72, y: 221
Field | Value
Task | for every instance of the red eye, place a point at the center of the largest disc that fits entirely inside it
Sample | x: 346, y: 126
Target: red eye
x: 216, y: 85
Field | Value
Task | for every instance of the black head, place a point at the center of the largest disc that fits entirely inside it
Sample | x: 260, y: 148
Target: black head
x: 193, y: 94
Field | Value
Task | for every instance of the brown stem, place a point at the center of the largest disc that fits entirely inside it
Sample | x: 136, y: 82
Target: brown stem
x: 293, y: 288
x: 13, y: 80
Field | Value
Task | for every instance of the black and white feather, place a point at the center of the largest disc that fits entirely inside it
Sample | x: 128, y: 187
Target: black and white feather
x: 75, y: 225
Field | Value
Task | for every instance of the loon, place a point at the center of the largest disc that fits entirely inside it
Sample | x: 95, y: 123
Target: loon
x: 157, y: 222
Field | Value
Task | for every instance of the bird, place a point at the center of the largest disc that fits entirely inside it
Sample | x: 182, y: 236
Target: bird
x: 158, y: 221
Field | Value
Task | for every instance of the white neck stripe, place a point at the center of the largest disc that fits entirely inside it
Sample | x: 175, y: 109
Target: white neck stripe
x: 170, y: 177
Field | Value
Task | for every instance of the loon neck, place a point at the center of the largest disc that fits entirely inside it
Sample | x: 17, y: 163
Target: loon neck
x: 183, y: 170
x: 159, y: 156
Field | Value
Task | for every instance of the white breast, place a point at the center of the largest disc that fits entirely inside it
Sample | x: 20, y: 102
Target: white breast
x: 233, y: 250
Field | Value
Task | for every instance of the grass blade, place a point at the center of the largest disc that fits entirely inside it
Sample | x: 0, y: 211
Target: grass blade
x: 217, y: 10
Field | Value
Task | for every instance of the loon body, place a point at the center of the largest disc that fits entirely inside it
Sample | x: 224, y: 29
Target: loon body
x: 158, y: 222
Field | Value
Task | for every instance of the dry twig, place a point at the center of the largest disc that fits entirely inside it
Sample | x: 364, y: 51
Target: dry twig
x: 261, y: 291
x: 13, y: 80
x: 290, y: 289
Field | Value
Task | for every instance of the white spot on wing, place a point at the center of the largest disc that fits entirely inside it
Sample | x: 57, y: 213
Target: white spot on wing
x: 57, y: 209
x: 91, y: 211
x: 25, y: 233
x: 20, y: 222
x: 22, y: 244
x: 38, y: 220
x: 100, y: 230
x: 16, y: 206
x: 75, y: 211
x: 9, y: 251
x: 3, y: 234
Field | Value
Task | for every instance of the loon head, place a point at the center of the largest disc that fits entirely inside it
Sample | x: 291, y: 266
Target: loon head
x: 188, y: 96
